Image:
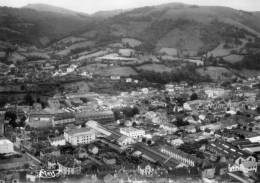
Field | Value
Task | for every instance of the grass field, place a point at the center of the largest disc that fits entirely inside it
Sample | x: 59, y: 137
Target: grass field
x: 71, y: 39
x: 233, y: 58
x: 155, y: 67
x: 105, y: 70
x: 75, y: 46
x: 215, y: 73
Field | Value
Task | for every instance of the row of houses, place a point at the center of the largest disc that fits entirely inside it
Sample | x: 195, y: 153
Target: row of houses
x: 40, y: 119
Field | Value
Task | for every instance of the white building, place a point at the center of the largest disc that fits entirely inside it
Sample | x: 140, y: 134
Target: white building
x: 57, y: 141
x: 115, y: 77
x: 80, y: 136
x: 68, y: 165
x: 145, y: 170
x: 169, y: 128
x: 6, y: 146
x: 145, y: 90
x: 177, y: 142
x: 132, y: 132
x: 216, y: 92
x: 255, y: 138
x: 125, y: 141
x: 244, y: 164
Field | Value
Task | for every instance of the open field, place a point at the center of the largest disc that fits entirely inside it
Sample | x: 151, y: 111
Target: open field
x: 75, y: 46
x: 155, y: 67
x: 105, y: 70
x: 42, y: 55
x: 233, y: 58
x: 215, y: 73
x: 71, y: 39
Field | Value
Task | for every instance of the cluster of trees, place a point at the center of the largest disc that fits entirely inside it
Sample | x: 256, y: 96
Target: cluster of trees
x: 29, y: 100
x: 255, y: 44
x: 78, y: 50
x: 189, y: 75
x: 12, y: 118
x: 249, y: 62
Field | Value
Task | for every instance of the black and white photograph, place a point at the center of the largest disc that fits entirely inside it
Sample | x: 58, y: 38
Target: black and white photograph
x: 129, y: 91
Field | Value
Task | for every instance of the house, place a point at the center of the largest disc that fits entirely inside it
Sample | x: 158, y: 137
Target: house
x: 40, y: 119
x: 169, y: 88
x: 212, y: 127
x: 196, y: 62
x: 254, y: 138
x: 115, y: 77
x: 128, y: 80
x: 146, y: 169
x: 68, y: 165
x: 145, y: 90
x: 132, y: 132
x: 216, y: 92
x: 169, y: 128
x: 61, y: 119
x: 6, y: 146
x: 125, y: 140
x: 79, y: 136
x: 238, y: 160
x: 245, y: 165
x: 49, y: 151
x: 51, y: 162
x: 57, y: 141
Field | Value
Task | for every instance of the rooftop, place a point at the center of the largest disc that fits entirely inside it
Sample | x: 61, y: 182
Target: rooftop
x: 79, y: 131
x: 130, y: 129
x: 228, y: 149
x: 188, y: 156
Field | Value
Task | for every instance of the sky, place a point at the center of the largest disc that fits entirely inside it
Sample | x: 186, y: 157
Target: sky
x: 91, y: 6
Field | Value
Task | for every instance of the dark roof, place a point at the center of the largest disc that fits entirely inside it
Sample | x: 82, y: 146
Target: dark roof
x: 61, y: 116
x: 227, y: 149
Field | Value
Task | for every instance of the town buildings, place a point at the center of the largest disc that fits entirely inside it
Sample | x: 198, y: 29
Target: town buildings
x: 239, y: 160
x: 181, y: 156
x: 68, y: 165
x: 99, y: 116
x: 132, y: 132
x: 146, y: 169
x: 39, y: 119
x: 80, y: 136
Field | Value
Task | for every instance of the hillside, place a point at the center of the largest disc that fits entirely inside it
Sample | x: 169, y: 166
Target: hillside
x: 183, y: 27
x: 53, y: 9
x: 224, y: 35
x: 28, y: 26
x: 107, y: 14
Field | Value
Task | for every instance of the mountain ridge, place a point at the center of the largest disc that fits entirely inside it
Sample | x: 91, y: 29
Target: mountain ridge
x: 53, y: 9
